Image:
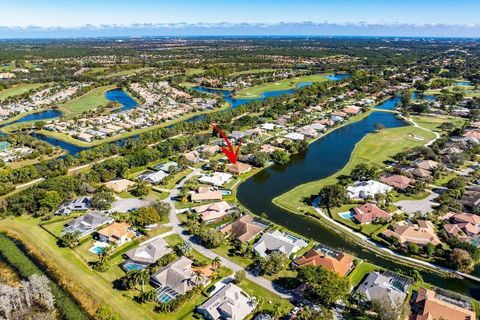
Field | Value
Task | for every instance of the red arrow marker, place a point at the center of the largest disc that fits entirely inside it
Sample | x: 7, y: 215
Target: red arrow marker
x: 230, y: 153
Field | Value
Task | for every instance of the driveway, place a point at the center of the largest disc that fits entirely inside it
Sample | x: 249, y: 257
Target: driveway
x: 125, y: 205
x: 422, y: 205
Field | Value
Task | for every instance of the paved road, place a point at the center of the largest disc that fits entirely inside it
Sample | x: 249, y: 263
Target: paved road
x: 209, y: 253
x: 422, y: 205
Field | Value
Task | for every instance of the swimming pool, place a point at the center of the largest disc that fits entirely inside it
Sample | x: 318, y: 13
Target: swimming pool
x: 291, y: 238
x: 225, y: 192
x: 130, y: 265
x: 346, y: 215
x: 96, y: 250
x: 164, y: 298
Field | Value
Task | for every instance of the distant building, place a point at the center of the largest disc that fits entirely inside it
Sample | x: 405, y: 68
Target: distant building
x: 431, y: 305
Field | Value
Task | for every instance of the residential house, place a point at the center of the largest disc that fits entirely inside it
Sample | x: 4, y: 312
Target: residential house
x: 429, y: 304
x: 206, y: 194
x: 295, y: 136
x: 351, y: 110
x: 213, y: 211
x: 419, y: 234
x: 230, y: 302
x: 471, y: 198
x: 397, y: 181
x: 365, y: 189
x: 80, y: 204
x: 268, y: 126
x: 208, y: 149
x: 117, y: 233
x: 383, y: 288
x: 338, y: 262
x: 119, y: 185
x: 193, y: 156
x: 369, y: 212
x: 149, y: 252
x: 429, y: 165
x: 239, y: 168
x: 215, y: 179
x: 167, y: 167
x: 175, y: 279
x: 87, y: 223
x: 307, y: 131
x: 463, y: 226
x: 276, y: 240
x: 153, y: 177
x: 244, y: 229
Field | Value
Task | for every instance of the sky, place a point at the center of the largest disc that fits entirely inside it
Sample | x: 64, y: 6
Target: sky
x: 24, y: 15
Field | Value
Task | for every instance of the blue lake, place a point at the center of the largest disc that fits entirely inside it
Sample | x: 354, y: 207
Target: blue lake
x: 463, y: 83
x: 338, y: 76
x: 120, y: 96
x: 42, y: 115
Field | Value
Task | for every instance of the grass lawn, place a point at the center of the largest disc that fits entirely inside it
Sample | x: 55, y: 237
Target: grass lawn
x: 223, y: 251
x: 373, y: 149
x: 360, y: 271
x: 432, y: 123
x: 126, y: 72
x: 18, y: 89
x: 266, y: 299
x: 193, y: 71
x: 445, y: 179
x: 397, y: 196
x: 285, y: 84
x: 253, y: 71
x: 86, y: 102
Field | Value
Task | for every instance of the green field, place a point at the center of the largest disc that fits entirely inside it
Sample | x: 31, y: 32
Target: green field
x: 6, y: 67
x: 18, y: 89
x: 285, y: 84
x: 86, y: 102
x: 194, y: 71
x: 432, y: 123
x: 126, y: 72
x: 373, y: 149
x: 253, y: 71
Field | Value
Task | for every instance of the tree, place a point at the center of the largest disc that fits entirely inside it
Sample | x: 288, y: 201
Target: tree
x: 332, y: 196
x: 274, y: 263
x: 363, y: 172
x: 210, y: 238
x: 51, y: 199
x: 379, y: 126
x: 240, y: 275
x: 324, y: 287
x: 216, y: 263
x: 413, y: 248
x: 69, y: 239
x: 429, y: 249
x: 141, y: 189
x: 260, y: 159
x: 146, y: 216
x: 462, y: 260
x: 386, y: 310
x: 162, y: 208
x: 105, y: 313
x: 102, y: 200
x: 280, y: 156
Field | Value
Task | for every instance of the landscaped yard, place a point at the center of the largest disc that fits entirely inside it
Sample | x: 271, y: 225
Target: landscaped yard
x: 360, y: 272
x: 266, y: 299
x: 373, y: 149
x: 87, y: 102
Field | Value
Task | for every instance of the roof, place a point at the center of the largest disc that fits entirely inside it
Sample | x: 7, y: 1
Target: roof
x: 90, y: 220
x: 154, y: 177
x: 205, y: 194
x: 239, y: 168
x: 433, y: 307
x: 369, y: 212
x: 149, y: 252
x: 230, y: 302
x: 119, y: 185
x: 116, y: 231
x: 379, y: 287
x: 427, y: 165
x: 340, y: 263
x: 397, y: 181
x: 243, y: 228
x: 364, y: 189
x: 213, y: 211
x: 178, y: 276
x: 420, y: 234
x: 276, y: 240
x: 216, y: 178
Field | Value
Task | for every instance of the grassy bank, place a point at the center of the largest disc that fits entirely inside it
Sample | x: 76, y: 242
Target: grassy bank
x: 18, y: 90
x: 89, y: 101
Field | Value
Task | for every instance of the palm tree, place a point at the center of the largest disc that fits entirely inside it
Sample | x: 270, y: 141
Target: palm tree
x: 144, y: 276
x: 216, y: 263
x: 197, y: 276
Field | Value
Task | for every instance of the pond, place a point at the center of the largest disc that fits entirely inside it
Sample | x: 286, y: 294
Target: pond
x: 37, y: 116
x: 338, y: 76
x: 120, y: 96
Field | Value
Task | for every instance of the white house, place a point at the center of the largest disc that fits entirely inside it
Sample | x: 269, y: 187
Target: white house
x: 276, y: 240
x: 364, y: 189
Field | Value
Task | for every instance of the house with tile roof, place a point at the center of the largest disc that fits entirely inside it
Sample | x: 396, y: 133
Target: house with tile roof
x: 419, y: 234
x: 429, y: 305
x: 213, y: 211
x: 397, y: 181
x: 275, y: 240
x: 117, y: 233
x: 338, y: 262
x: 149, y: 252
x: 369, y: 212
x: 244, y: 229
x: 119, y: 185
x: 239, y: 168
x: 206, y: 194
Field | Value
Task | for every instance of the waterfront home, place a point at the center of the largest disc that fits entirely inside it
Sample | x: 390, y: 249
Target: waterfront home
x: 420, y: 173
x: 365, y: 189
x: 318, y: 126
x: 168, y: 167
x: 352, y: 110
x: 397, y: 181
x: 244, y: 229
x: 79, y: 204
x: 119, y: 185
x: 369, y: 212
x: 175, y: 279
x: 307, y: 131
x: 153, y: 177
x: 206, y: 194
x: 230, y: 302
x: 384, y: 288
x: 149, y: 252
x: 215, y: 179
x: 336, y: 118
x: 419, y: 234
x: 268, y: 148
x: 338, y: 262
x: 239, y: 168
x: 87, y: 223
x: 340, y: 114
x: 294, y: 136
x: 82, y: 136
x: 213, y: 211
x: 117, y: 233
x: 429, y: 304
x: 276, y: 240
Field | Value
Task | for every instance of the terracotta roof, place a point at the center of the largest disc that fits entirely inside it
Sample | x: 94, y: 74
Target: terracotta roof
x: 119, y: 185
x: 340, y: 264
x: 434, y: 308
x: 243, y: 228
x: 116, y: 231
x: 213, y: 211
x: 369, y: 212
x: 397, y: 181
x: 206, y: 193
x: 420, y: 234
x: 427, y: 164
x: 239, y: 168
